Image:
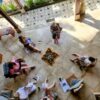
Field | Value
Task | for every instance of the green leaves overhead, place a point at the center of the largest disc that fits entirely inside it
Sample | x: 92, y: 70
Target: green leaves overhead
x: 9, y: 7
x: 31, y: 3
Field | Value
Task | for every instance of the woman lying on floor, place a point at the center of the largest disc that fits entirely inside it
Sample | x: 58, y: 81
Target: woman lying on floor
x: 28, y: 44
x: 16, y: 67
x: 84, y: 61
x: 49, y: 94
x: 23, y: 93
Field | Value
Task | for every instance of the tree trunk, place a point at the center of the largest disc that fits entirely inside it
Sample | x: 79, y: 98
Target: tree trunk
x: 79, y: 9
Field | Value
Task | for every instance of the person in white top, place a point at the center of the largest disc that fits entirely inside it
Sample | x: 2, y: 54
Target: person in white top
x: 47, y: 89
x: 87, y: 60
x: 23, y: 92
x: 84, y: 61
x: 46, y: 85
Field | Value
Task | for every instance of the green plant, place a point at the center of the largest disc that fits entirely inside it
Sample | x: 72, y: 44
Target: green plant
x: 29, y: 3
x: 12, y: 7
x: 39, y: 2
x: 4, y: 7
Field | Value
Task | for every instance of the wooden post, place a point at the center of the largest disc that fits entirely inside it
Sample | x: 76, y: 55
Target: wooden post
x: 4, y: 14
x: 79, y: 9
x: 20, y: 6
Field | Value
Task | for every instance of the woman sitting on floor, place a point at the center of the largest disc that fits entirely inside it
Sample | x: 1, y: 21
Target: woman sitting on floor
x: 7, y: 31
x: 84, y: 61
x: 16, y: 67
x: 28, y: 44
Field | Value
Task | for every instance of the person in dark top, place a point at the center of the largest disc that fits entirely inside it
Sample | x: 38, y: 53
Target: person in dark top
x: 55, y: 30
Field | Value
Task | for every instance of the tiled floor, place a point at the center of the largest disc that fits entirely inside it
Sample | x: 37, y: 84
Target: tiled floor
x: 38, y: 17
x: 76, y: 37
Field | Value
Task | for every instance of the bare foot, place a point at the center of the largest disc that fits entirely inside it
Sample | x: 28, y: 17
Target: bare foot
x: 13, y: 34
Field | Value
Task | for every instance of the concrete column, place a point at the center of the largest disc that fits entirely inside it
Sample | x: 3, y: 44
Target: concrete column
x: 79, y: 9
x: 4, y: 14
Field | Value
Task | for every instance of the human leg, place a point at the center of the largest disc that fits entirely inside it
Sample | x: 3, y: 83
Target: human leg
x: 35, y: 49
x: 56, y: 40
x: 26, y: 68
x: 76, y: 55
x: 75, y: 60
x: 11, y: 31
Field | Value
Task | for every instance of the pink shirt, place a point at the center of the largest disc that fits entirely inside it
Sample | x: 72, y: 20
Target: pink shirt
x: 15, y: 67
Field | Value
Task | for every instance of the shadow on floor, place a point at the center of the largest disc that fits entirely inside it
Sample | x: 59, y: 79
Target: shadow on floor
x: 92, y: 21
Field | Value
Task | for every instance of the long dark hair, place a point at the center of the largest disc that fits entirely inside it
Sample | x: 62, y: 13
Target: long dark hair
x: 21, y: 39
x: 11, y: 64
x: 91, y: 59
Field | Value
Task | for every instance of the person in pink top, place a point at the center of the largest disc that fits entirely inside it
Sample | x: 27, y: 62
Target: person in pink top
x: 17, y: 67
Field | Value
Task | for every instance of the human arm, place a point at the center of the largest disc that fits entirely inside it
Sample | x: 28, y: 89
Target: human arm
x: 50, y: 87
x: 20, y: 60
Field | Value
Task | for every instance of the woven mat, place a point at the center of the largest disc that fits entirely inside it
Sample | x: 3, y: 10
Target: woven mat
x: 49, y: 56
